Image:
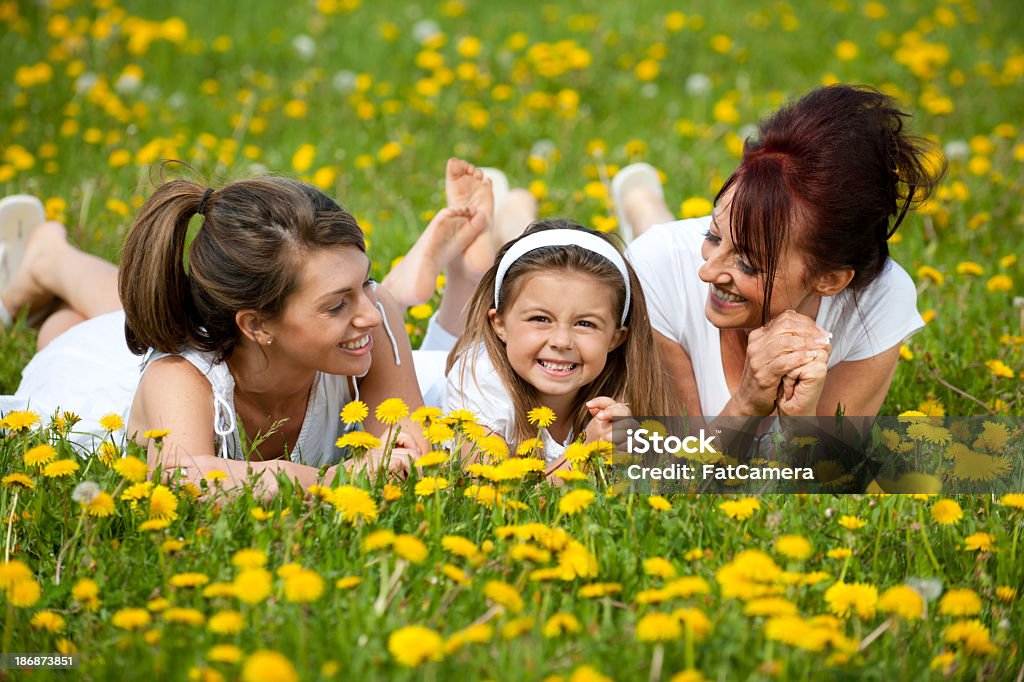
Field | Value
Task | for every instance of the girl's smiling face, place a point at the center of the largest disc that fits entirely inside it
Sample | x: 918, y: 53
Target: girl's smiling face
x: 558, y: 331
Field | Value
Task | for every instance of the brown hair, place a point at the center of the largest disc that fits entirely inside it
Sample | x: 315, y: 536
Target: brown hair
x: 633, y: 372
x: 246, y: 254
x: 838, y: 163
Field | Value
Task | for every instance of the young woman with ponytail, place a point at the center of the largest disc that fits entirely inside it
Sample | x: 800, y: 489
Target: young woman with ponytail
x: 247, y: 309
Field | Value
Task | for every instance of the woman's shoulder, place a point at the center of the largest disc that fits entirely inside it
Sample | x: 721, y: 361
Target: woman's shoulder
x: 170, y: 382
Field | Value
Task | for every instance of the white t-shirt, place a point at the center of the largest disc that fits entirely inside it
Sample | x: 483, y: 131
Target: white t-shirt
x: 666, y: 259
x: 480, y: 390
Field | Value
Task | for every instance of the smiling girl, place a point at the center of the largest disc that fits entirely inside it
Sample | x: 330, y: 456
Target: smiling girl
x: 559, y: 321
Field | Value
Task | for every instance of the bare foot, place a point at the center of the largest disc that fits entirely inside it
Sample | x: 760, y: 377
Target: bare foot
x: 27, y: 288
x: 465, y: 185
x: 413, y: 280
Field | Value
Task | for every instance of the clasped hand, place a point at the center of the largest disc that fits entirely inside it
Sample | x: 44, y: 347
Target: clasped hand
x: 785, y: 367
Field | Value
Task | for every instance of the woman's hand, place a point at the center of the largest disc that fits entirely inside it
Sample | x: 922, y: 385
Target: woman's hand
x: 398, y: 465
x: 603, y: 411
x: 801, y: 388
x: 785, y: 344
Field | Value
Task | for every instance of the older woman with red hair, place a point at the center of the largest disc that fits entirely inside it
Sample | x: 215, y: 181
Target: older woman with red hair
x: 785, y: 300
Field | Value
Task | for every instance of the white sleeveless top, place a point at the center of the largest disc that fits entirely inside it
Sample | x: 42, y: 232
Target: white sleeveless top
x: 321, y: 425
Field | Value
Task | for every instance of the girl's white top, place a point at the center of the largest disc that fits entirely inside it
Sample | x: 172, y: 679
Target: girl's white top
x: 666, y: 259
x: 480, y: 390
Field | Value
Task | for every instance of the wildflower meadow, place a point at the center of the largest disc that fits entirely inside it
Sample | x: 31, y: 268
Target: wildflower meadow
x: 487, y: 571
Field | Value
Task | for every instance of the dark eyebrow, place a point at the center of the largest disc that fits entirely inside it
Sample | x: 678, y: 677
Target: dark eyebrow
x: 340, y: 292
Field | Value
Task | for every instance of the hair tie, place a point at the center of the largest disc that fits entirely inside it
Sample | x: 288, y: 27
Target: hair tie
x: 562, y: 237
x: 202, y: 202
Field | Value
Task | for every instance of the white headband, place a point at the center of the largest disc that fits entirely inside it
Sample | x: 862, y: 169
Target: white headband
x: 584, y: 240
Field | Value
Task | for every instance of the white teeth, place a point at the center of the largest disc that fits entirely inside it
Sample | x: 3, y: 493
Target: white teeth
x: 356, y: 345
x: 726, y: 296
x: 558, y: 366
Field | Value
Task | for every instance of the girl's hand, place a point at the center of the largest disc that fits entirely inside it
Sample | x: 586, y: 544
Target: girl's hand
x: 406, y: 441
x: 801, y: 388
x: 785, y: 344
x: 602, y: 411
x: 370, y: 463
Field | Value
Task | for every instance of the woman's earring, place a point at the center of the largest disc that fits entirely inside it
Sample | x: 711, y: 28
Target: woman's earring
x: 270, y: 341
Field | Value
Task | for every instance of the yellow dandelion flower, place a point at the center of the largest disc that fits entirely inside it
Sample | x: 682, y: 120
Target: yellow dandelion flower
x: 354, y: 412
x: 13, y: 571
x: 561, y: 624
x: 40, y: 455
x: 425, y: 414
x: 504, y: 594
x: 156, y: 434
x: 60, y: 468
x: 303, y: 587
x: 902, y: 600
x: 131, y: 469
x: 184, y: 616
x: 438, y: 433
x: 946, y: 512
x: 268, y: 666
x: 391, y: 411
x: 852, y: 522
x: 658, y: 503
x: 432, y: 459
x: 793, y: 546
x: 391, y: 492
x: 100, y: 506
x: 999, y: 369
x: 658, y: 627
x: 111, y: 422
x: 378, y: 540
x: 659, y: 566
x: 18, y: 479
x: 189, y: 579
x: 960, y: 602
x: 226, y: 623
x: 253, y: 585
x: 48, y: 620
x: 224, y: 653
x: 1006, y: 594
x: 741, y: 509
x: 163, y: 504
x: 354, y: 504
x: 348, y: 582
x: 410, y: 548
x: 414, y: 645
x: 840, y: 553
x: 359, y: 440
x: 131, y: 619
x: 542, y: 417
x: 19, y: 420
x: 846, y: 598
x: 575, y: 501
x: 1014, y: 500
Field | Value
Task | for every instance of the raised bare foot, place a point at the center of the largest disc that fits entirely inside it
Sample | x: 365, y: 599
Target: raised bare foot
x: 27, y: 287
x: 466, y: 185
x: 414, y: 278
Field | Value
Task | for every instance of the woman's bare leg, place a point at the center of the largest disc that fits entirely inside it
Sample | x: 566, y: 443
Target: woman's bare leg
x: 53, y: 268
x: 58, y: 322
x: 645, y: 208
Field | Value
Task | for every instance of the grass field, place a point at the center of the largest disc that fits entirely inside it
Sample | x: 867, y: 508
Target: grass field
x: 368, y: 100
